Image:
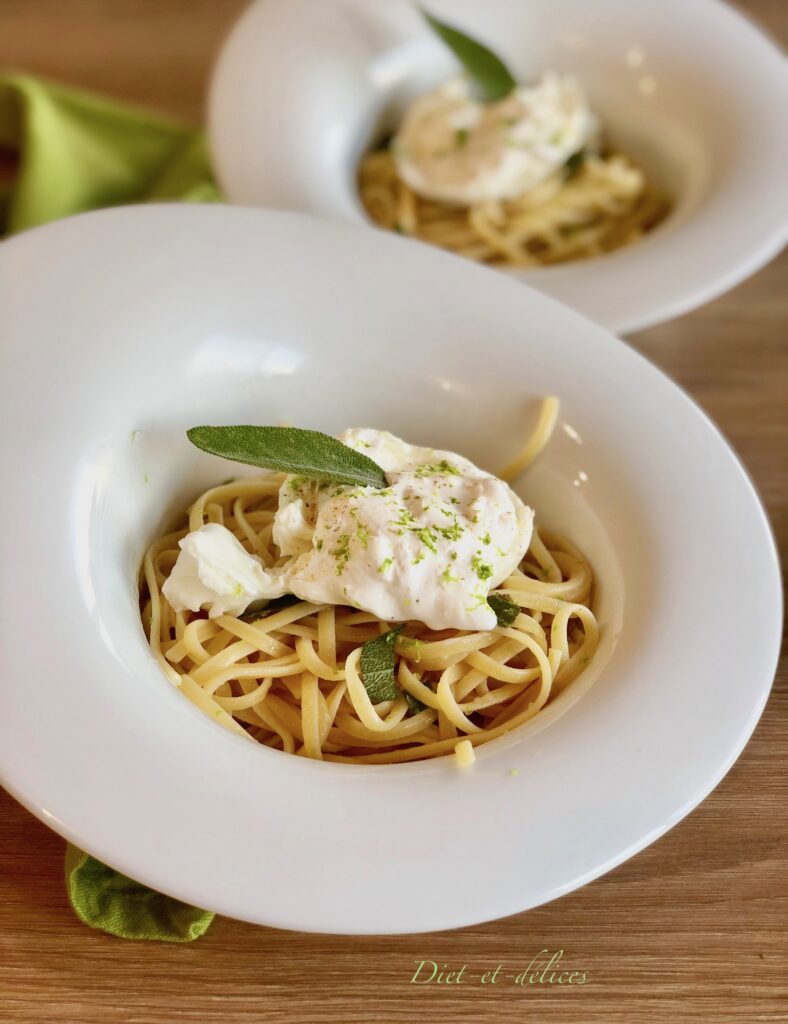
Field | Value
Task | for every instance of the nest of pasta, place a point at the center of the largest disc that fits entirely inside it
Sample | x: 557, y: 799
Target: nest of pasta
x: 288, y: 676
x: 591, y: 207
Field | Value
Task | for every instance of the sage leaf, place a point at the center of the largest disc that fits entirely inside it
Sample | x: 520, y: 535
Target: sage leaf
x: 506, y: 610
x: 261, y: 610
x: 492, y: 77
x: 377, y: 666
x: 414, y: 703
x: 307, y: 453
x: 574, y: 164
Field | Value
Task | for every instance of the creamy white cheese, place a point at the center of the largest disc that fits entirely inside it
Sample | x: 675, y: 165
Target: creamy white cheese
x: 214, y: 570
x: 453, y: 148
x: 430, y: 546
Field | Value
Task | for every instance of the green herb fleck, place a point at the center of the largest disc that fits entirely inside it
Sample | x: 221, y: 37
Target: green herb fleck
x: 342, y: 552
x: 480, y: 600
x: 482, y: 569
x: 319, y: 544
x: 436, y: 469
x: 427, y: 538
x: 460, y: 137
x: 486, y: 539
x: 362, y: 535
x: 405, y: 518
x: 453, y: 532
x: 385, y: 564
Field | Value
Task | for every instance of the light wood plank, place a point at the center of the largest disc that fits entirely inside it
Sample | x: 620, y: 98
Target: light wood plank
x: 692, y: 929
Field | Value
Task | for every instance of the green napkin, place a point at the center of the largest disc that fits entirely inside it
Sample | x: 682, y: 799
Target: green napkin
x: 79, y: 152
x: 108, y: 900
x: 63, y: 151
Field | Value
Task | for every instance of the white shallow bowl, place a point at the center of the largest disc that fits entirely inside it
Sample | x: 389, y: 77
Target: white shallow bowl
x: 122, y: 329
x: 688, y: 87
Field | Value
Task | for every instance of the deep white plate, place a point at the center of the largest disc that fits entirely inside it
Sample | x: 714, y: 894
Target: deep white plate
x: 690, y: 88
x: 121, y: 329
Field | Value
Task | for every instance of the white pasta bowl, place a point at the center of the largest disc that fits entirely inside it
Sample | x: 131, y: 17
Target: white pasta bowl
x: 122, y: 329
x: 689, y: 88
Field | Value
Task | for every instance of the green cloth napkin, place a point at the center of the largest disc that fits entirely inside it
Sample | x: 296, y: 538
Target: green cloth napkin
x: 64, y: 151
x: 79, y: 152
x: 108, y: 900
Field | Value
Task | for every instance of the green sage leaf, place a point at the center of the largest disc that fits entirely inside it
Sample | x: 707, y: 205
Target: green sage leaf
x: 506, y: 610
x: 414, y: 703
x: 377, y: 666
x: 308, y: 453
x: 494, y: 80
x: 574, y: 164
x: 262, y: 609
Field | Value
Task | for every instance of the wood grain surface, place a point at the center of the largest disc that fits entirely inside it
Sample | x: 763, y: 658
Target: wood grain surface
x: 692, y: 929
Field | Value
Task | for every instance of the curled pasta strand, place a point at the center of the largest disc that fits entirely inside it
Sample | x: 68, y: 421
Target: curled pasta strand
x: 309, y: 657
x: 248, y: 700
x: 449, y: 706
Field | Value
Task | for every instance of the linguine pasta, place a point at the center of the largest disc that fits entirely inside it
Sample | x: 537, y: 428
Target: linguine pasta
x: 291, y: 679
x: 602, y: 205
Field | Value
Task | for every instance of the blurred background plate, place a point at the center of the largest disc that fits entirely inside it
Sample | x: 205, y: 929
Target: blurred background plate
x: 689, y: 88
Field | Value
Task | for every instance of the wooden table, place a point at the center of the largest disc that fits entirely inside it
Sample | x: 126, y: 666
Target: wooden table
x: 692, y: 929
